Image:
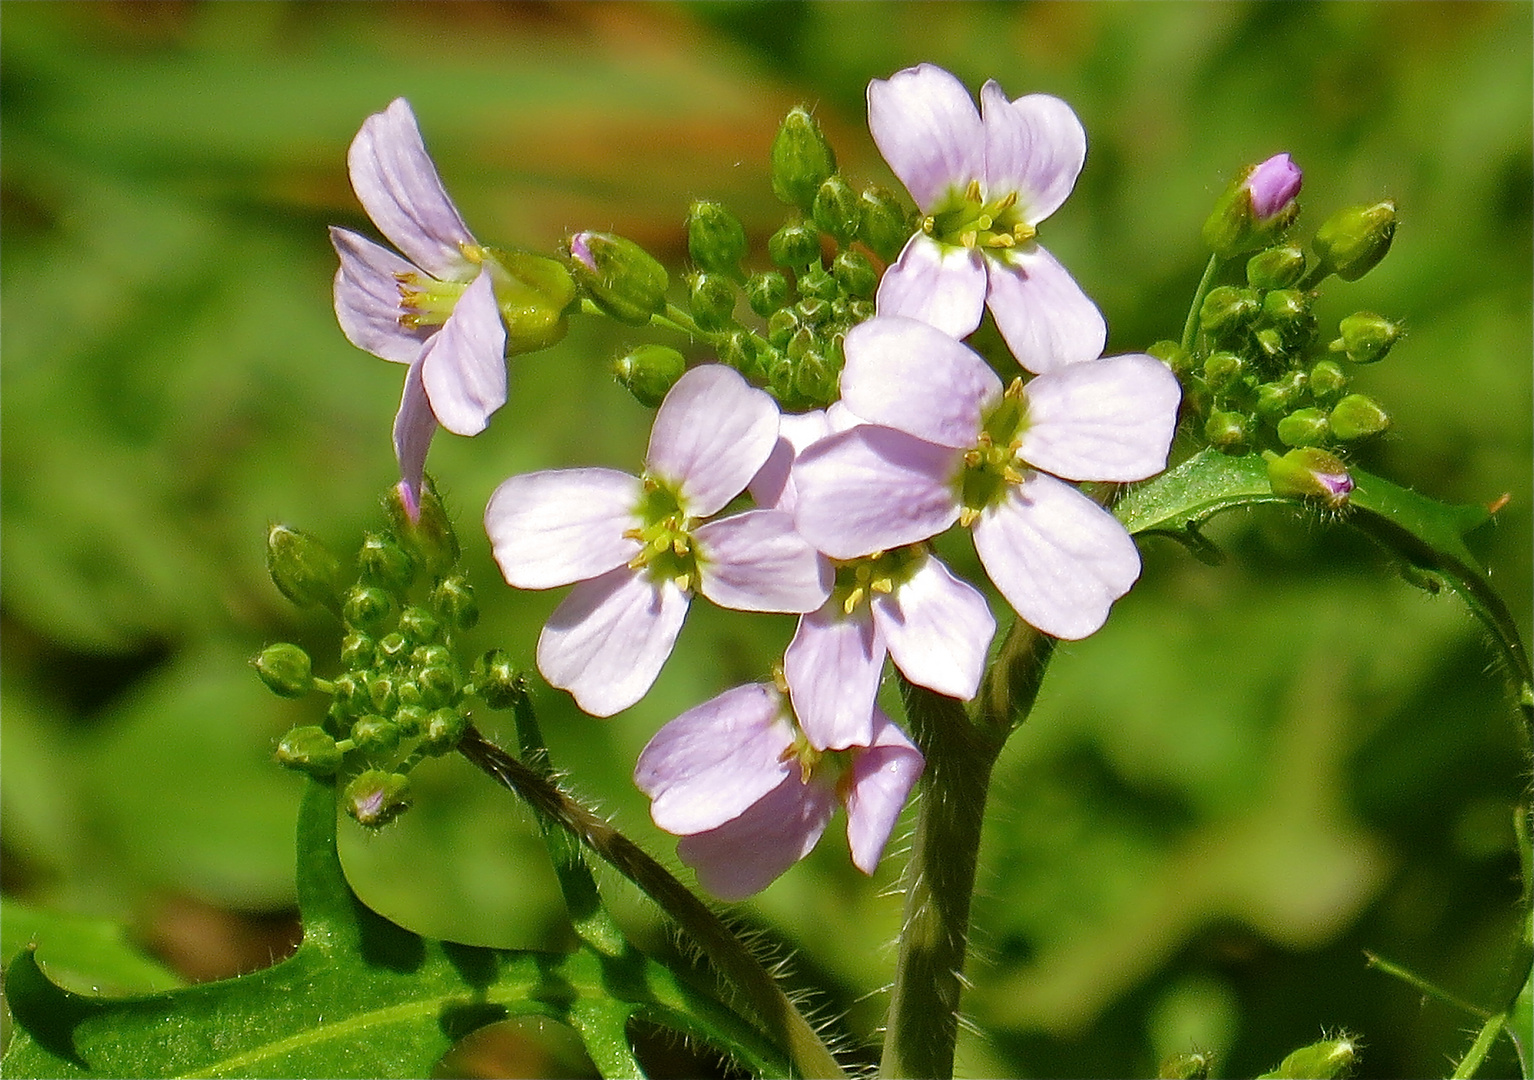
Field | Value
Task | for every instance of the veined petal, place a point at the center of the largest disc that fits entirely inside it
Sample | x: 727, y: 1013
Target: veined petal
x: 938, y: 630
x: 1034, y: 146
x: 414, y: 425
x: 710, y: 764
x: 1109, y: 419
x: 873, y: 488
x: 881, y: 781
x: 367, y: 299
x: 711, y: 434
x: 398, y: 186
x: 941, y: 286
x: 563, y: 525
x: 770, y: 487
x: 832, y: 668
x: 606, y: 642
x: 464, y: 364
x: 1042, y: 313
x: 905, y: 374
x: 742, y: 857
x: 928, y: 129
x: 1059, y: 558
x: 757, y: 561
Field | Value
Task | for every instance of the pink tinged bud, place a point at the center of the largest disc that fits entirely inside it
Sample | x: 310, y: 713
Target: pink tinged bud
x: 1273, y: 186
x: 1310, y: 472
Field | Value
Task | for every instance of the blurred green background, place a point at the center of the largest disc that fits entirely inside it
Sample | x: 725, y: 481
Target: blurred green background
x: 1255, y: 772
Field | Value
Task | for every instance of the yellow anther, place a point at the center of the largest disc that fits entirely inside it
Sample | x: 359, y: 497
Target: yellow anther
x: 972, y: 193
x: 928, y: 224
x: 968, y: 237
x: 1022, y: 232
x: 1000, y: 240
x: 967, y: 516
x: 882, y: 585
x: 853, y: 599
x: 1007, y: 202
x: 1010, y: 474
x: 683, y: 581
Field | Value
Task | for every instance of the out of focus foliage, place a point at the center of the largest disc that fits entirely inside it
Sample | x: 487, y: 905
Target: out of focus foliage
x: 1255, y: 772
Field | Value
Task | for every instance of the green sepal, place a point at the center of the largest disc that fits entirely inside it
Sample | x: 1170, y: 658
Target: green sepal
x: 620, y: 277
x: 801, y: 159
x: 716, y: 239
x: 1352, y: 241
x: 534, y: 294
x: 303, y: 569
x: 285, y: 669
x: 1324, y: 1060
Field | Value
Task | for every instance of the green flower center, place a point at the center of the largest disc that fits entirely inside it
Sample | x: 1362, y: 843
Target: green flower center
x: 665, y: 536
x: 881, y: 572
x: 994, y: 462
x: 969, y: 220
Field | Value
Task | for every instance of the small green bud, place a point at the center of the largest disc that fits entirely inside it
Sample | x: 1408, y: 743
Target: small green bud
x: 620, y: 277
x: 381, y: 694
x: 409, y: 696
x: 374, y: 735
x: 1276, y: 267
x: 385, y: 563
x: 410, y: 719
x: 392, y: 647
x: 439, y: 686
x: 285, y: 669
x: 801, y: 159
x: 1309, y: 472
x: 1222, y: 370
x: 711, y: 298
x: 1194, y: 1065
x: 794, y: 246
x: 444, y: 728
x: 818, y: 283
x: 837, y: 210
x: 1277, y: 398
x: 855, y: 274
x: 534, y: 293
x: 452, y: 599
x: 1354, y: 240
x: 1258, y: 205
x: 427, y: 533
x: 649, y: 372
x: 358, y: 650
x: 419, y: 626
x: 1357, y: 417
x: 1304, y: 427
x: 376, y: 798
x: 310, y: 750
x: 1174, y: 356
x: 497, y: 682
x: 781, y: 328
x: 302, y: 568
x: 860, y: 311
x: 1327, y: 380
x: 430, y: 655
x: 766, y: 292
x: 1325, y: 1060
x: 1288, y: 312
x: 716, y: 239
x: 1227, y: 311
x: 367, y: 608
x: 1366, y: 337
x: 351, y: 694
x: 1228, y: 431
x: 885, y: 224
x: 741, y: 352
x: 812, y: 311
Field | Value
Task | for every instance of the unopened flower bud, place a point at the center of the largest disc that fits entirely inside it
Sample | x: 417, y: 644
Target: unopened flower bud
x: 1327, y: 381
x: 411, y: 718
x: 452, y: 599
x: 794, y: 246
x: 837, y: 210
x: 1287, y: 311
x: 855, y: 274
x: 351, y: 694
x: 1228, y: 431
x: 497, y: 682
x: 392, y: 647
x: 812, y: 311
x: 534, y: 294
x: 374, y: 735
x: 801, y: 159
x: 1227, y: 311
x: 1325, y: 1060
x: 367, y: 608
x: 1276, y: 267
x: 285, y: 669
x: 1309, y: 473
x: 310, y: 750
x: 741, y: 351
x: 620, y: 277
x: 424, y: 656
x: 385, y: 563
x: 1354, y: 240
x: 381, y: 694
x: 444, y: 729
x: 716, y: 239
x: 781, y: 328
x: 302, y: 568
x: 376, y: 798
x: 1277, y: 398
x: 1357, y: 417
x: 1255, y: 208
x: 711, y: 299
x: 766, y: 292
x: 426, y: 532
x: 1304, y: 427
x: 648, y: 371
x: 1222, y: 370
x: 439, y: 686
x: 885, y: 225
x: 358, y: 650
x: 1193, y: 1065
x: 1366, y: 337
x: 1174, y: 356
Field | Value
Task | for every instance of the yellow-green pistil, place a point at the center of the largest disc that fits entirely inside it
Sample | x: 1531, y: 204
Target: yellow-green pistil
x: 993, y: 462
x: 969, y: 221
x: 666, y: 545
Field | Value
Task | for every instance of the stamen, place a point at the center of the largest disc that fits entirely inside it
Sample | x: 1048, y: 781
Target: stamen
x: 972, y: 193
x: 967, y: 516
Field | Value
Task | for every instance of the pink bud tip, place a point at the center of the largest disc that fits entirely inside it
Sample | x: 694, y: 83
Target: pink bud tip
x: 1273, y: 185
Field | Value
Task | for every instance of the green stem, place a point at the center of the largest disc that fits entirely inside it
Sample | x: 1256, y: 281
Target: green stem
x: 736, y: 966
x: 1471, y: 1063
x: 1190, y: 326
x: 1411, y: 978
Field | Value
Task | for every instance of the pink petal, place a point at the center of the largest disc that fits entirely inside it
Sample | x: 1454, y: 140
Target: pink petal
x: 832, y: 668
x: 941, y: 286
x: 367, y: 299
x: 907, y: 375
x: 770, y: 486
x: 564, y: 525
x: 926, y: 126
x: 874, y: 488
x: 1034, y: 146
x: 1059, y: 558
x: 414, y: 425
x: 757, y: 561
x: 938, y: 630
x: 607, y: 641
x: 711, y: 434
x: 1108, y: 419
x: 744, y: 856
x: 1042, y: 313
x: 881, y: 781
x: 398, y: 186
x: 710, y: 764
x: 464, y: 364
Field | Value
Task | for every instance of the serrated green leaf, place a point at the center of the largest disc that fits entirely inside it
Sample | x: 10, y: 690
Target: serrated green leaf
x: 361, y: 997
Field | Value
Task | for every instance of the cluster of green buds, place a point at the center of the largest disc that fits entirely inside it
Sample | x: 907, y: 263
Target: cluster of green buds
x: 1259, y: 374
x: 787, y: 337
x: 403, y: 694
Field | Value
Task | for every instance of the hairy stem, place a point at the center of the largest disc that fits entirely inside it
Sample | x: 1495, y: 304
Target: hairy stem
x: 1190, y: 326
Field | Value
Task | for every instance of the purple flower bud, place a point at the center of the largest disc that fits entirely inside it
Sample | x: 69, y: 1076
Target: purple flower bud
x: 1273, y: 186
x: 1312, y: 473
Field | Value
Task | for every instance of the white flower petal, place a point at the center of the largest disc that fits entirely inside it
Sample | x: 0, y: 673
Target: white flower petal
x: 1059, y: 558
x: 711, y: 434
x: 742, y: 857
x: 905, y: 374
x: 367, y: 299
x: 1042, y: 313
x: 832, y: 668
x: 1109, y: 419
x: 928, y: 129
x: 770, y: 487
x: 607, y: 641
x: 464, y: 364
x: 564, y: 525
x: 414, y: 425
x: 757, y: 561
x: 1034, y: 146
x: 942, y: 286
x: 938, y: 630
x: 882, y: 779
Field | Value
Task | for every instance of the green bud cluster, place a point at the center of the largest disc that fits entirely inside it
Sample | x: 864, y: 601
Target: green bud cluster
x: 403, y: 693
